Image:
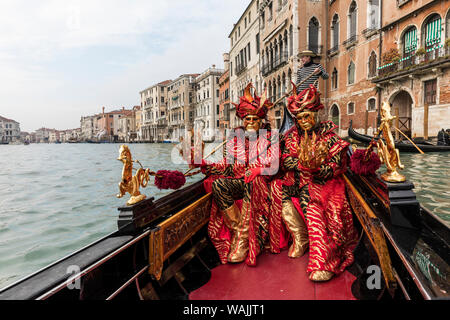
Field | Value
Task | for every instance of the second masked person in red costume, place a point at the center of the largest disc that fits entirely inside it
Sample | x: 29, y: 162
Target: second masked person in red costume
x: 314, y: 159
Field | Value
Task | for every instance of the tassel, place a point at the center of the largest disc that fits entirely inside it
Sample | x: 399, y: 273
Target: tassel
x: 361, y: 166
x: 169, y: 179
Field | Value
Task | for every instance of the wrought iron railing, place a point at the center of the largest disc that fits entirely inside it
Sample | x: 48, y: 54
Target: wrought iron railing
x: 413, y: 60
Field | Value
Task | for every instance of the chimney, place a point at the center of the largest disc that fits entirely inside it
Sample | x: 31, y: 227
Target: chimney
x: 103, y: 108
x: 214, y: 66
x: 226, y: 61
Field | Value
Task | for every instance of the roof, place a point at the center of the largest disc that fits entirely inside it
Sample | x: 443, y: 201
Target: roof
x: 6, y: 119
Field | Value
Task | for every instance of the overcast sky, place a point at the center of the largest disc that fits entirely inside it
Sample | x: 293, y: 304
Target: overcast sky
x: 60, y: 60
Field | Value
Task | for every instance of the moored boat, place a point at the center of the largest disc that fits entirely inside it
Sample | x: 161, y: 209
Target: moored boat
x: 401, y: 145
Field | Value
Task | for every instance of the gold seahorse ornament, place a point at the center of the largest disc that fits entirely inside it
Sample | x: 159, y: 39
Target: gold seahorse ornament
x: 130, y: 183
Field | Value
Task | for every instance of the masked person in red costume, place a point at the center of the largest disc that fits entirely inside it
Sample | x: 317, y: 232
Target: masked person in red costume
x: 238, y: 225
x: 314, y: 159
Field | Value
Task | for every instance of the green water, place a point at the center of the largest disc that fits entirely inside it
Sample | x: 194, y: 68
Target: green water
x: 57, y: 198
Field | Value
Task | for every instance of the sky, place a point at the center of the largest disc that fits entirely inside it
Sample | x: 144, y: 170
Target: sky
x: 60, y: 60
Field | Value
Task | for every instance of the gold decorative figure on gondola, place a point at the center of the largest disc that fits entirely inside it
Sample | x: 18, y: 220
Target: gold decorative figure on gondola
x: 129, y: 182
x: 387, y: 152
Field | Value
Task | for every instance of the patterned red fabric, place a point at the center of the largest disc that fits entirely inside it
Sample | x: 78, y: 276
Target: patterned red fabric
x: 332, y: 236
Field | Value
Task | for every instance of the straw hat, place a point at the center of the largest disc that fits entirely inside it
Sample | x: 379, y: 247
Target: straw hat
x: 307, y: 53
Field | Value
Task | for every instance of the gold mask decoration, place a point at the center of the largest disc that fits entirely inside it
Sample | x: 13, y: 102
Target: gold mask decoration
x: 306, y: 120
x: 252, y: 123
x: 312, y: 152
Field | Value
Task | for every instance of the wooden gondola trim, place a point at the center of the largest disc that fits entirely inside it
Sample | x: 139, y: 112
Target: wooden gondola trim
x: 172, y: 233
x: 373, y: 229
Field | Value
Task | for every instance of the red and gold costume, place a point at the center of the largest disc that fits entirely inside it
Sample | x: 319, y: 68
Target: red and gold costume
x: 238, y: 225
x: 317, y: 193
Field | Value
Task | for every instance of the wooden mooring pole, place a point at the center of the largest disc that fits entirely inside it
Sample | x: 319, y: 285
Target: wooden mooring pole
x: 425, y: 121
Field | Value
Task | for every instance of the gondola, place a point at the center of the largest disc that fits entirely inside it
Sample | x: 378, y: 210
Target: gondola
x: 401, y: 146
x: 161, y: 251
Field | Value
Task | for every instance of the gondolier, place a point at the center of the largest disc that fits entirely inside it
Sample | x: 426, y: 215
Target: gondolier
x: 310, y: 70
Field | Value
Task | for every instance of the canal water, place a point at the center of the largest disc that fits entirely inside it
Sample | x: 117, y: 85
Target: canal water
x: 57, y: 198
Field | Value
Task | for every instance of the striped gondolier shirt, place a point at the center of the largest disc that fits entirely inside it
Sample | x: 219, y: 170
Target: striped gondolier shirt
x: 304, y: 72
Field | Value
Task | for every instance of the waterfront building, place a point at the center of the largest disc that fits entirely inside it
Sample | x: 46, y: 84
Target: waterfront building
x: 352, y: 41
x: 224, y: 96
x: 206, y: 114
x: 127, y: 126
x: 180, y: 105
x: 414, y: 71
x: 278, y: 23
x: 154, y: 112
x: 244, y: 57
x: 138, y: 122
x: 54, y: 136
x: 9, y: 130
x: 88, y: 127
x: 42, y: 135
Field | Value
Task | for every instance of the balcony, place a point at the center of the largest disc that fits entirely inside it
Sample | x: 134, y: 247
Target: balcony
x: 334, y: 50
x: 369, y: 32
x: 411, y: 63
x: 240, y: 68
x: 275, y: 64
x: 350, y: 42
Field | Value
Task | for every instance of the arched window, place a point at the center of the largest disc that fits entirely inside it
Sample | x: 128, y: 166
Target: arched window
x: 371, y: 104
x: 409, y: 41
x: 313, y: 35
x: 432, y: 31
x: 334, y: 79
x: 373, y: 14
x: 335, y: 32
x: 291, y: 37
x: 351, y: 73
x: 352, y: 16
x: 372, y: 65
x: 334, y: 114
x: 286, y: 44
x: 447, y: 25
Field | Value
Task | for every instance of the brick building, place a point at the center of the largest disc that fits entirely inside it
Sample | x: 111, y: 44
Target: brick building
x: 224, y: 96
x: 414, y: 75
x: 279, y: 36
x: 352, y: 61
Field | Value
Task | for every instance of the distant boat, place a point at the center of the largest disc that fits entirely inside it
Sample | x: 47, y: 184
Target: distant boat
x: 57, y: 142
x: 26, y: 142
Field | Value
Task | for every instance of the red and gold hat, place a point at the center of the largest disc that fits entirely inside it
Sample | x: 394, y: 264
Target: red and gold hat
x: 307, y: 100
x: 252, y: 105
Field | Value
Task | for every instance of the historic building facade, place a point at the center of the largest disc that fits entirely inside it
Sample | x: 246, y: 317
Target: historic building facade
x: 244, y: 57
x: 352, y: 59
x: 180, y: 105
x: 9, y: 130
x: 206, y: 114
x: 224, y: 96
x: 414, y: 75
x: 154, y: 112
x: 279, y: 36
